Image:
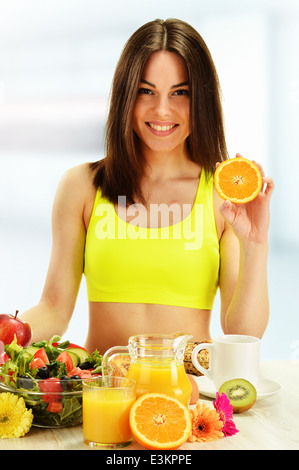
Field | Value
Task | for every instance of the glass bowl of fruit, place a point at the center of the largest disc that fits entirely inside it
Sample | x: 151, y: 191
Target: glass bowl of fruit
x: 49, y: 376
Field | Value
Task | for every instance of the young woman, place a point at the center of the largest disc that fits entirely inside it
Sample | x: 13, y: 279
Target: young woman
x: 145, y: 224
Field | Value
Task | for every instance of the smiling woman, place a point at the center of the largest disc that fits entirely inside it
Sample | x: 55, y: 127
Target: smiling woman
x: 164, y: 137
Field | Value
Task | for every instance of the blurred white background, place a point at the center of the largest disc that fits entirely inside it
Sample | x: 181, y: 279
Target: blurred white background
x: 56, y: 65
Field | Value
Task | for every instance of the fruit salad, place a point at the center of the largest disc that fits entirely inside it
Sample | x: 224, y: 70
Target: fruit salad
x: 48, y: 375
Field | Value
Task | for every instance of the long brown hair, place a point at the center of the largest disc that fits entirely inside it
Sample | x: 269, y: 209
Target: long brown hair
x: 120, y: 172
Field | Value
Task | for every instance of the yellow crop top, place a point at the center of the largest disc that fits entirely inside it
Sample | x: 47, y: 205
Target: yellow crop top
x: 175, y: 265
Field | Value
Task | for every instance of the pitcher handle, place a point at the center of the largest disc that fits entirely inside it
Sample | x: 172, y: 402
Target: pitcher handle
x: 109, y: 354
x: 199, y: 347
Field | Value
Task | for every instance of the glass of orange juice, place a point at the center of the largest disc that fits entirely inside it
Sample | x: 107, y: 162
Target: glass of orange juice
x: 106, y: 404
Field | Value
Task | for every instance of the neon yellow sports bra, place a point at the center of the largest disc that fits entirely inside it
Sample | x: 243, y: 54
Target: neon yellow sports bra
x: 175, y: 265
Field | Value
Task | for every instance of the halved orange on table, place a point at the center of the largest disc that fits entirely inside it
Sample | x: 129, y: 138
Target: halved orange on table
x: 238, y: 180
x: 159, y: 421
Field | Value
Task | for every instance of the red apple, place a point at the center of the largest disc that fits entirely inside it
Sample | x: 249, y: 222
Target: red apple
x: 11, y: 325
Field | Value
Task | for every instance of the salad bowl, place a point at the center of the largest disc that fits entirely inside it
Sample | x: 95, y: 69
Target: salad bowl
x: 49, y: 376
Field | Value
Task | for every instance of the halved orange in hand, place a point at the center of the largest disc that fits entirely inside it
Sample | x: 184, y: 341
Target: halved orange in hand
x: 159, y: 421
x: 238, y: 180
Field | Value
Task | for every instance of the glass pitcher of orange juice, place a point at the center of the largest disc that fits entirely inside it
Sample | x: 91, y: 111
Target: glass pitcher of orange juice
x: 156, y: 364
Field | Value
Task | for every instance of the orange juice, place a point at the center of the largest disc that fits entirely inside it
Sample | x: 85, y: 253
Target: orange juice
x: 106, y: 415
x: 161, y: 376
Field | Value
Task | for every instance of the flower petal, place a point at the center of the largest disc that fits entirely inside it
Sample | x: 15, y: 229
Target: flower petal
x: 206, y: 424
x: 15, y: 419
x: 223, y: 406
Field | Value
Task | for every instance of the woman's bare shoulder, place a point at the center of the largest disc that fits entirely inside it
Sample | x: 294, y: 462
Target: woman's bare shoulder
x: 78, y: 180
x: 79, y: 175
x: 76, y: 188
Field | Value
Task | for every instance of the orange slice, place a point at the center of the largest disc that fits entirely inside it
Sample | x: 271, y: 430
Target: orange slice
x: 238, y: 180
x: 159, y: 421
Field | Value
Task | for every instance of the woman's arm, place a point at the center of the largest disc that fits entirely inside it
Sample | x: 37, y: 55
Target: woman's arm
x: 243, y: 271
x: 53, y: 312
x: 243, y: 287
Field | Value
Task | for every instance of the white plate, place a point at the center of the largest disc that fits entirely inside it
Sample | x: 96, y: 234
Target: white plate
x: 265, y: 387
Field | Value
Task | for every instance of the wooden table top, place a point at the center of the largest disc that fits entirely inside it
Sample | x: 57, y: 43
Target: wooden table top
x: 271, y: 424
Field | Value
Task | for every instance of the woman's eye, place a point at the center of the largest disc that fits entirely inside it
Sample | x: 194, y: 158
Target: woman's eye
x: 144, y: 91
x: 181, y: 93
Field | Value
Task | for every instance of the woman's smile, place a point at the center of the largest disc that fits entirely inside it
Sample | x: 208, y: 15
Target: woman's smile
x: 161, y: 129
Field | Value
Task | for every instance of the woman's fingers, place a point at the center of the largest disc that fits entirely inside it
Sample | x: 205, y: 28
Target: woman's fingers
x: 268, y: 183
x: 269, y: 188
x: 259, y: 167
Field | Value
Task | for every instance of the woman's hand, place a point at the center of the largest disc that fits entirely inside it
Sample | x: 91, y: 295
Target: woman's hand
x: 250, y: 221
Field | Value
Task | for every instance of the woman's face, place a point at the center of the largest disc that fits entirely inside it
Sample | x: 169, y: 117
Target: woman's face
x: 161, y: 113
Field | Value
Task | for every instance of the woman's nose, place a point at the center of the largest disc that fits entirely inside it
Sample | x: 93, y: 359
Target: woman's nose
x: 163, y: 106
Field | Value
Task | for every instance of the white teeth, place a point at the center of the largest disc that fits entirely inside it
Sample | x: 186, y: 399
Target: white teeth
x: 161, y: 128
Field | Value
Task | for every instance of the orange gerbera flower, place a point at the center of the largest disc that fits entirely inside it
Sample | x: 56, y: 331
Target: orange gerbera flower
x: 206, y: 424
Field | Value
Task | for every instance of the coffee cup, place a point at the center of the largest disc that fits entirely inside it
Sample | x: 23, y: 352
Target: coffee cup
x: 230, y: 357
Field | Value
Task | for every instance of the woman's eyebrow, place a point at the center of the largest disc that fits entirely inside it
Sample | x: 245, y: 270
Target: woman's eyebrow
x: 180, y: 84
x: 147, y: 83
x: 173, y: 86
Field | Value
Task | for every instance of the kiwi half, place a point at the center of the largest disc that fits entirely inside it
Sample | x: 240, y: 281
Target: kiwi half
x: 241, y: 394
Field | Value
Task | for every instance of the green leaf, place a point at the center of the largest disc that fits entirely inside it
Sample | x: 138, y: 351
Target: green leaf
x: 70, y: 406
x: 13, y: 349
x: 55, y: 339
x: 9, y: 373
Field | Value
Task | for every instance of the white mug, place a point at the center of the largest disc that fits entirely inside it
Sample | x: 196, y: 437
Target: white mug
x: 230, y: 357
